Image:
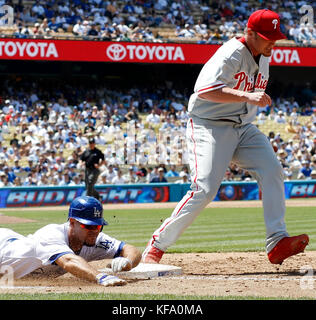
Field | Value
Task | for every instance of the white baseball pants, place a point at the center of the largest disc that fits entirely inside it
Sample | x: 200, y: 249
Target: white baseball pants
x: 211, y: 146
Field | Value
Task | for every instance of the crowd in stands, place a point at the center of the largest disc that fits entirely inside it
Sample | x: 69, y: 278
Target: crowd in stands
x: 140, y: 20
x: 140, y: 130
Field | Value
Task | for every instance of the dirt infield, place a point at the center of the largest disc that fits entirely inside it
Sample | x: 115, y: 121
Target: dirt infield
x: 7, y: 219
x: 204, y: 274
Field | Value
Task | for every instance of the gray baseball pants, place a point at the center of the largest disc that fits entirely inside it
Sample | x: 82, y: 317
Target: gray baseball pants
x: 212, y: 145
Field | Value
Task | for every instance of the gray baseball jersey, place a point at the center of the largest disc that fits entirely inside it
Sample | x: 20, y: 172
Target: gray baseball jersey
x: 46, y: 245
x: 233, y: 66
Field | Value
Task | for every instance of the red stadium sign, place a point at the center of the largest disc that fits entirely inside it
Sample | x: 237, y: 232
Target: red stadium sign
x: 135, y: 52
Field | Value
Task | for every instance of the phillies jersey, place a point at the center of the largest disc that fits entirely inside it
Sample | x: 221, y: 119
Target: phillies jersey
x: 231, y: 66
x: 46, y: 245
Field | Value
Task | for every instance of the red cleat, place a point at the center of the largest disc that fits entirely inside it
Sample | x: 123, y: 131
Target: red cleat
x: 286, y: 247
x: 152, y: 255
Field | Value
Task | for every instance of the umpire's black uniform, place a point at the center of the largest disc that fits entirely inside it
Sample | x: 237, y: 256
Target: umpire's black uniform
x: 92, y: 157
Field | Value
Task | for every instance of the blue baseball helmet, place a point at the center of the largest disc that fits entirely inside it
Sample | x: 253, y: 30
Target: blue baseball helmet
x: 87, y: 210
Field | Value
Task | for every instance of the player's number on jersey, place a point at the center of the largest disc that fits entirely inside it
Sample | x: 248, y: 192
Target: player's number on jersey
x: 6, y: 16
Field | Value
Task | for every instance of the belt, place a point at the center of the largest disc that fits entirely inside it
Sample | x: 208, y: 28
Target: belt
x: 228, y: 120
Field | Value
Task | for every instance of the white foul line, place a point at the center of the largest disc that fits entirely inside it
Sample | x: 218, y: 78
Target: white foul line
x: 236, y: 278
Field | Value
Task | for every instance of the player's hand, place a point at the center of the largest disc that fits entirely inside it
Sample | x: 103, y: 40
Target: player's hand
x: 260, y: 99
x: 109, y: 280
x: 121, y: 264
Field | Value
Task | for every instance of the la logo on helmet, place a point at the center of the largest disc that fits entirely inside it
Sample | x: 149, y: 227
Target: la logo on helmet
x: 97, y: 213
x: 275, y: 22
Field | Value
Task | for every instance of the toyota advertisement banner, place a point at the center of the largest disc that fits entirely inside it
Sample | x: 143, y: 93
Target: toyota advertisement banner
x: 135, y: 52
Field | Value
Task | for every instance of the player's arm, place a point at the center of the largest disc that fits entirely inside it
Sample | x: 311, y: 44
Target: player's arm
x: 132, y: 253
x: 129, y: 258
x: 80, y: 268
x: 229, y: 95
x: 77, y: 266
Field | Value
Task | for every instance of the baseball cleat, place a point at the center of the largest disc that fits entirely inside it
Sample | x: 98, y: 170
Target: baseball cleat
x: 152, y: 255
x: 287, y: 247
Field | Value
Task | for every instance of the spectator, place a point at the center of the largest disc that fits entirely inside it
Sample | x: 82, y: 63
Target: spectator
x: 305, y: 171
x: 78, y: 29
x: 313, y: 174
x: 304, y: 38
x: 27, y: 31
x: 119, y: 178
x: 151, y: 173
x: 160, y: 178
x: 293, y: 34
x: 172, y: 172
x: 262, y: 117
x: 123, y: 28
x: 280, y: 117
x: 200, y: 27
x: 184, y: 179
x: 53, y: 25
x: 38, y: 9
x: 130, y: 176
x: 86, y: 27
x: 153, y: 118
x: 93, y: 31
x: 111, y: 10
x: 49, y: 34
x: 215, y: 37
x: 187, y: 32
x: 110, y: 173
x: 294, y: 116
x: 37, y: 31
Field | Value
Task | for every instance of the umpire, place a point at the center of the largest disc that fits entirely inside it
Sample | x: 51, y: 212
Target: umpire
x: 93, y: 158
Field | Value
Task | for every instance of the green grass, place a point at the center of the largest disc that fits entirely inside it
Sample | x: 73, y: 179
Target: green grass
x: 214, y: 230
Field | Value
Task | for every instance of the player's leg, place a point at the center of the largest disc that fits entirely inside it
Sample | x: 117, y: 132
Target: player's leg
x: 13, y: 252
x: 210, y: 148
x: 6, y: 234
x: 94, y: 181
x: 256, y: 155
x: 91, y: 179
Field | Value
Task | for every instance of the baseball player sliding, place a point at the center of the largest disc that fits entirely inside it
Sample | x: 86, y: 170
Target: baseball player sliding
x: 227, y: 92
x: 69, y: 247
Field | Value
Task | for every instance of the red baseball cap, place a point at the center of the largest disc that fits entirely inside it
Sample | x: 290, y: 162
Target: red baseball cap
x: 267, y: 24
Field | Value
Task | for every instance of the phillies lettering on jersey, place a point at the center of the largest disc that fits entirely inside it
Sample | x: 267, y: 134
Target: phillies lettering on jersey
x: 246, y: 83
x: 231, y: 66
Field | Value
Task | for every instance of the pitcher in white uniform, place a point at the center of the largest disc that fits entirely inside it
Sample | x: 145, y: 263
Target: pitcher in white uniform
x: 222, y: 108
x: 69, y: 247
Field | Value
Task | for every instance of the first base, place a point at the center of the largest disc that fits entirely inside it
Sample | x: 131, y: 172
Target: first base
x: 147, y: 271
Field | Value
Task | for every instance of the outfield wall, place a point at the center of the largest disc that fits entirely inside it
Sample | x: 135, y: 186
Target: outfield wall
x: 142, y: 193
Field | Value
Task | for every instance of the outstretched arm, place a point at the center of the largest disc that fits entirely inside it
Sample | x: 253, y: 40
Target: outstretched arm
x: 77, y: 266
x: 80, y: 268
